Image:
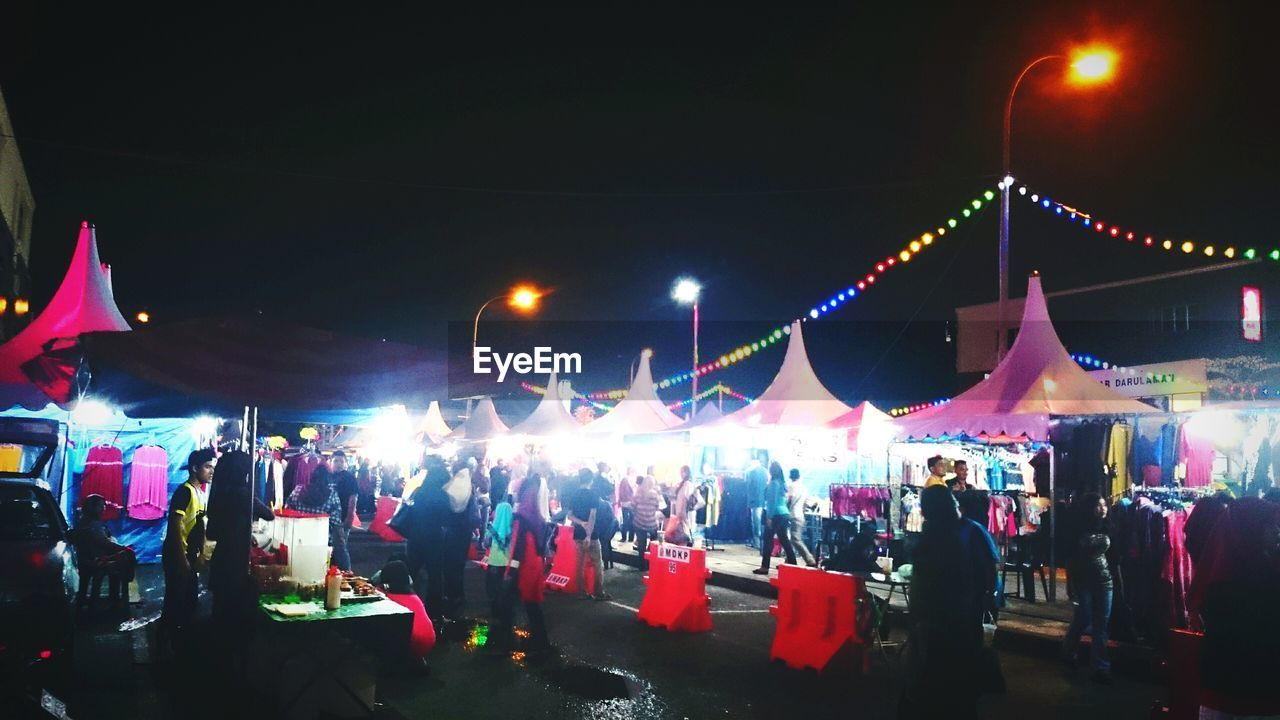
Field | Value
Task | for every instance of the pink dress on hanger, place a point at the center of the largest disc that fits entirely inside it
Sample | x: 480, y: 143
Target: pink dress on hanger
x: 149, y: 483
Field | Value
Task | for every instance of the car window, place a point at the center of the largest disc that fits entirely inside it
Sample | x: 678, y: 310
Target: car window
x: 26, y: 514
x: 20, y: 458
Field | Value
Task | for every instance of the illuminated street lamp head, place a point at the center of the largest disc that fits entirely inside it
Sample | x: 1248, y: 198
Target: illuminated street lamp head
x: 1092, y: 65
x: 685, y: 291
x: 144, y: 317
x: 524, y: 298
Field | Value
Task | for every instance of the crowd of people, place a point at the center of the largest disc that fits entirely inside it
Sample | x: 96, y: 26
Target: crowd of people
x: 507, y: 515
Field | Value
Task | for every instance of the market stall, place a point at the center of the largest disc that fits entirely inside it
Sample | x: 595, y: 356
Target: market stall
x: 634, y: 432
x: 1016, y: 409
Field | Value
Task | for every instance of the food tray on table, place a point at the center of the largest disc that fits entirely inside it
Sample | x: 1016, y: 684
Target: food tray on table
x: 359, y: 589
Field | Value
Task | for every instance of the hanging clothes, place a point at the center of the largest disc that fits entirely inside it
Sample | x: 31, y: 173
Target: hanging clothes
x: 712, y: 490
x: 1168, y: 452
x: 10, y: 458
x: 1116, y: 458
x: 1198, y: 454
x: 104, y: 475
x: 149, y: 483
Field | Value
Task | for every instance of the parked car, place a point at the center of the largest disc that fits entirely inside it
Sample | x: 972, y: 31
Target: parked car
x: 38, y: 583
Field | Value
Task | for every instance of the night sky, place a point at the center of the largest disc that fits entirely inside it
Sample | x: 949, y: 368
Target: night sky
x: 382, y: 174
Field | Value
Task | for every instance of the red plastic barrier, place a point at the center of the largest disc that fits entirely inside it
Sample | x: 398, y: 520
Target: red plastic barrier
x: 386, y: 509
x: 675, y: 595
x: 564, y: 566
x: 1184, y: 675
x: 822, y: 621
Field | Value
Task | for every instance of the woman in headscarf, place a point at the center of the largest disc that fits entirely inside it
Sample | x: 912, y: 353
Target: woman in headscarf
x: 498, y: 537
x: 1236, y: 584
x: 232, y: 510
x: 1200, y: 523
x: 528, y: 564
x: 951, y: 583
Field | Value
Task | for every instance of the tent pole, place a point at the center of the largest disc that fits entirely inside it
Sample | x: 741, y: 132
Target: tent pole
x: 1053, y: 524
x: 895, y: 502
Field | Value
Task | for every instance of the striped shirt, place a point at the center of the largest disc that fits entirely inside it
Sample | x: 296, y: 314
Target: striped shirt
x: 645, y: 505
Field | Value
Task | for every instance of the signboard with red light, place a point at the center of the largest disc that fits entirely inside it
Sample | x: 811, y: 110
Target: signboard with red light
x: 1251, y: 313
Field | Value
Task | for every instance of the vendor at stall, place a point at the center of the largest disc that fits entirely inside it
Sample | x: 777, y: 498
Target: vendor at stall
x: 183, y: 543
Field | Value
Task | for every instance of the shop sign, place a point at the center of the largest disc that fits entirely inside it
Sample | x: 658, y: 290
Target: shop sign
x: 677, y: 553
x: 1251, y: 313
x: 1172, y: 378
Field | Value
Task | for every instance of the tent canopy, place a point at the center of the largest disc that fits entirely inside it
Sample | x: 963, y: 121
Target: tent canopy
x: 549, y: 418
x: 795, y: 398
x: 869, y: 428
x: 82, y: 303
x: 433, y: 427
x: 1035, y: 381
x: 640, y: 411
x: 292, y: 373
x: 482, y: 424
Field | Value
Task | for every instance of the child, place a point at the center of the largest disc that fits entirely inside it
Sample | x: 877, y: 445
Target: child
x: 396, y: 583
x: 498, y: 536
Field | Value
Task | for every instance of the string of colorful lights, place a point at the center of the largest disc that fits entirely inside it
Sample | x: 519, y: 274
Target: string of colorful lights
x: 913, y: 247
x: 717, y: 388
x: 1090, y: 221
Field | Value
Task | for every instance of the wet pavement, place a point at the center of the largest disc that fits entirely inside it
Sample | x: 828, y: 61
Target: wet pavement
x: 609, y: 665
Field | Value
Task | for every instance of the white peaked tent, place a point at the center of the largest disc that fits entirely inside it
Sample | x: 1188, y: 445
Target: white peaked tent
x: 708, y: 413
x: 83, y: 303
x: 639, y: 412
x: 484, y: 423
x: 1035, y: 381
x: 795, y: 398
x: 870, y: 429
x: 433, y: 427
x: 549, y: 418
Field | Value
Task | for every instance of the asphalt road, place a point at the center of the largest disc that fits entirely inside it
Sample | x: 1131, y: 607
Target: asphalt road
x: 609, y: 666
x: 725, y: 673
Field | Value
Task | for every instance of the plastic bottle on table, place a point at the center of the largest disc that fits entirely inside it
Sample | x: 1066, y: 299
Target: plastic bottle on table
x: 333, y: 588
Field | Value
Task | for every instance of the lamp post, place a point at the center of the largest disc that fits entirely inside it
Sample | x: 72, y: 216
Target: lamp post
x: 1087, y: 67
x: 685, y: 292
x: 523, y: 298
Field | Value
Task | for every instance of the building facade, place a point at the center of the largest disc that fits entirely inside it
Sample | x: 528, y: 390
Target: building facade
x: 1218, y: 314
x: 17, y: 208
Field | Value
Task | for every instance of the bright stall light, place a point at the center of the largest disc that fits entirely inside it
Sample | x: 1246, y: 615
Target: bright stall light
x: 91, y: 412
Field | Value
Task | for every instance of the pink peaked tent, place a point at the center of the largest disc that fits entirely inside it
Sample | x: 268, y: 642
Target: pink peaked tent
x: 483, y: 424
x: 83, y: 303
x: 866, y: 424
x: 1035, y: 381
x: 639, y: 412
x: 795, y: 398
x: 549, y: 418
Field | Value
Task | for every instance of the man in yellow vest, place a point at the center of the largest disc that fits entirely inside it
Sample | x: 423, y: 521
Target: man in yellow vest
x: 183, y: 542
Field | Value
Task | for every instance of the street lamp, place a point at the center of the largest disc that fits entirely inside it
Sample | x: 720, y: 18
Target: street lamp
x: 1088, y: 66
x: 685, y: 292
x: 521, y: 298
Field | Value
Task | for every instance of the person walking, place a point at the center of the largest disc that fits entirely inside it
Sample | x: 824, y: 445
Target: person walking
x: 498, y: 537
x: 685, y: 504
x: 646, y: 516
x: 796, y: 498
x: 426, y: 539
x: 626, y: 505
x: 953, y: 578
x: 775, y: 506
x: 587, y: 525
x: 757, y: 479
x: 1089, y: 583
x: 348, y: 490
x: 526, y: 571
x: 458, y: 532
